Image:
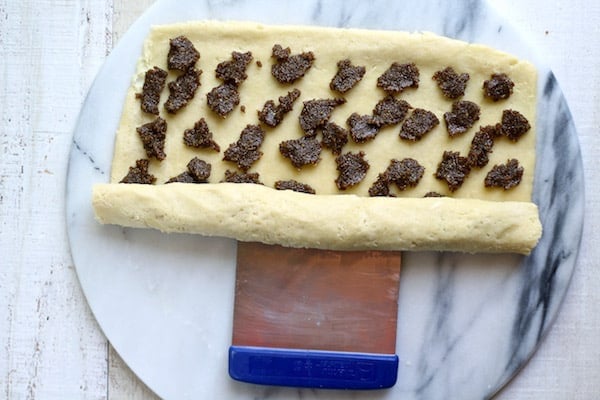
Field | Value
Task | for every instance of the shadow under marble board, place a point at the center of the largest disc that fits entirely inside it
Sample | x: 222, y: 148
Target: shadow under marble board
x: 466, y: 323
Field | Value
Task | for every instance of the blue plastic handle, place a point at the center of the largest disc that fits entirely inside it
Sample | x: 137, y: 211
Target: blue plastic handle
x: 312, y: 369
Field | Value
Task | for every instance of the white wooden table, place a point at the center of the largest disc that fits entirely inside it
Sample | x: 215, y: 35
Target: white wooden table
x: 51, y: 346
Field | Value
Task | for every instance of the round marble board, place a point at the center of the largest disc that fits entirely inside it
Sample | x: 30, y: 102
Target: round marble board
x: 466, y: 323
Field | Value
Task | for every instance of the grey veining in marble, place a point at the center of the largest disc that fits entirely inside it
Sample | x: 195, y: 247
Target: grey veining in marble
x: 467, y: 323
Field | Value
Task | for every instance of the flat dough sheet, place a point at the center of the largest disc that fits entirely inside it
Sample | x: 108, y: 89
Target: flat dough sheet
x: 374, y: 49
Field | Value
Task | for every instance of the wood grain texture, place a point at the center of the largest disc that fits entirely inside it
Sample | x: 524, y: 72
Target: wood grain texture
x: 125, y: 13
x: 50, y: 344
x: 122, y: 382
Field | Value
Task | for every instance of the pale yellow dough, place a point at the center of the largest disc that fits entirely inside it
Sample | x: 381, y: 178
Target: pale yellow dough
x: 392, y: 223
x: 336, y: 222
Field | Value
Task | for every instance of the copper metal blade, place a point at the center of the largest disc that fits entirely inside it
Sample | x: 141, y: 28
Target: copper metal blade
x: 316, y: 299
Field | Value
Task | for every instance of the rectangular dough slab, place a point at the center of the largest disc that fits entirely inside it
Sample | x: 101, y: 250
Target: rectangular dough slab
x: 376, y: 50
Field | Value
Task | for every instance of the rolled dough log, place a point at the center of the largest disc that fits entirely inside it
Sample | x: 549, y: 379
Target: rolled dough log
x: 337, y: 222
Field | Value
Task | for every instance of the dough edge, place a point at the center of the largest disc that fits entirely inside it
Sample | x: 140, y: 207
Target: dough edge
x: 255, y: 213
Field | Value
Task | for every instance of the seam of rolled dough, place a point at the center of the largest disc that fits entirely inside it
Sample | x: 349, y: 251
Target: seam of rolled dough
x: 249, y: 212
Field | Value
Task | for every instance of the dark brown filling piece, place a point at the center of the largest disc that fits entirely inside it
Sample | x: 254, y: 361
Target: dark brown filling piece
x: 223, y: 99
x: 463, y: 116
x: 272, y: 114
x: 450, y: 83
x: 334, y: 137
x: 433, y: 194
x: 498, y: 87
x: 347, y: 76
x: 303, y: 151
x: 184, y: 177
x: 237, y: 177
x: 505, y: 175
x: 352, y: 169
x: 182, y: 54
x: 418, y: 124
x: 514, y: 125
x: 198, y: 171
x: 234, y: 71
x: 295, y: 186
x: 153, y: 136
x: 245, y: 151
x: 289, y: 68
x: 139, y: 174
x: 183, y: 90
x: 453, y: 169
x: 316, y: 113
x: 381, y: 187
x: 481, y: 146
x: 362, y: 127
x: 399, y: 77
x: 200, y: 136
x: 406, y: 173
x: 154, y: 83
x: 390, y: 111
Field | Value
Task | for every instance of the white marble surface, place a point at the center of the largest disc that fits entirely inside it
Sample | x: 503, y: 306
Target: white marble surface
x: 466, y: 323
x: 51, y: 346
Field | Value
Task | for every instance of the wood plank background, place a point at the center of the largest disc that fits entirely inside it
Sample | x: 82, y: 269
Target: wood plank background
x: 51, y: 346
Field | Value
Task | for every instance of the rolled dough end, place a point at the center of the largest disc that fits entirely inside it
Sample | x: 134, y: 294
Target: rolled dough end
x: 256, y: 213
